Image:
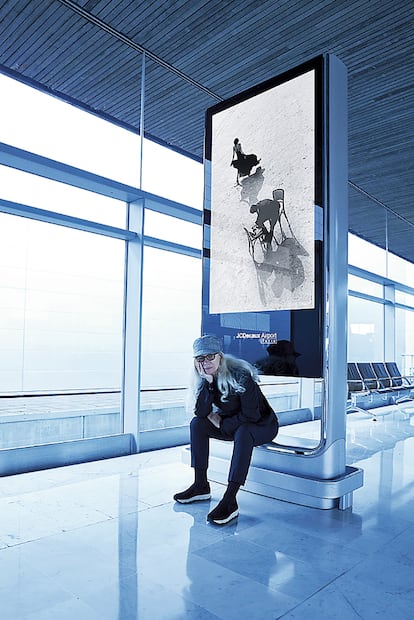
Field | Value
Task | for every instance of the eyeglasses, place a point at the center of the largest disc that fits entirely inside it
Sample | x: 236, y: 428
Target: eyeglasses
x: 202, y: 358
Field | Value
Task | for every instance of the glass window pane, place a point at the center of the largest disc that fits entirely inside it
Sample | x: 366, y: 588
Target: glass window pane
x: 171, y: 319
x: 365, y: 286
x: 174, y: 176
x: 399, y: 235
x: 404, y: 298
x: 42, y: 124
x: 172, y: 229
x: 39, y: 123
x: 34, y: 191
x: 61, y: 322
x: 404, y: 340
x: 365, y: 330
x: 400, y: 270
x: 366, y: 255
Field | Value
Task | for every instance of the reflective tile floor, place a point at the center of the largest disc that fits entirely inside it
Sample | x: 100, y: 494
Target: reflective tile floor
x: 105, y: 541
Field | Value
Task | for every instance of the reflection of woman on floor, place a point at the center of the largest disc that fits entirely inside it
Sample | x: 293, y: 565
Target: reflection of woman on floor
x: 242, y: 162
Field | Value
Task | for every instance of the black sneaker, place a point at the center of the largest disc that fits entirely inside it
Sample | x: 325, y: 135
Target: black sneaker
x: 193, y: 494
x: 224, y: 512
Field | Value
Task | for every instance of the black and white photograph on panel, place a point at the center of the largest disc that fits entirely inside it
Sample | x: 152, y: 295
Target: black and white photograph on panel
x: 263, y: 200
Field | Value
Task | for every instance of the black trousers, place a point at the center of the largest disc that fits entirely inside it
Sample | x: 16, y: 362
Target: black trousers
x: 245, y: 438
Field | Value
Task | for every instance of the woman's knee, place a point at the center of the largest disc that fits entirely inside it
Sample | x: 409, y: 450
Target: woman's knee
x: 198, y: 425
x: 243, y: 434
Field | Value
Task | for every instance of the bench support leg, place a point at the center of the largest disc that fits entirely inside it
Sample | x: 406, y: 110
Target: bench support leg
x: 345, y: 501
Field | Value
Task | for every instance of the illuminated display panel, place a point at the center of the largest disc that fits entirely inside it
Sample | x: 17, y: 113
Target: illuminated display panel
x: 263, y: 218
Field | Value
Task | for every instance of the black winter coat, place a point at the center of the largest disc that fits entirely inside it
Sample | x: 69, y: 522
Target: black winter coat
x: 250, y: 406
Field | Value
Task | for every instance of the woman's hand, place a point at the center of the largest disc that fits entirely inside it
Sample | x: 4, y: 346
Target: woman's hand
x: 199, y: 368
x: 214, y: 419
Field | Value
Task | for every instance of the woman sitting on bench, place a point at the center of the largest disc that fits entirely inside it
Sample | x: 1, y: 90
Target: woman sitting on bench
x: 228, y: 404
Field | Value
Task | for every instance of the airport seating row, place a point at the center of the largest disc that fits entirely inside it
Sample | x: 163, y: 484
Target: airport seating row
x: 375, y: 384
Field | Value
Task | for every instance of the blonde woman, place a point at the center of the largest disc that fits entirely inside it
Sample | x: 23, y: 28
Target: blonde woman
x: 227, y: 404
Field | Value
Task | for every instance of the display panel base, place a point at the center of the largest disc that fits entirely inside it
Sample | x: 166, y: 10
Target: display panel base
x: 314, y: 493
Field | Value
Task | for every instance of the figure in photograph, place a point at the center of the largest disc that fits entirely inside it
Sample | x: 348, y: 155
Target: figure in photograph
x: 227, y: 404
x: 267, y: 213
x: 242, y: 162
x: 275, y: 254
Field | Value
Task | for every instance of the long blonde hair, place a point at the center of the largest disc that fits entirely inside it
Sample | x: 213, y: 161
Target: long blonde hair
x: 229, y: 379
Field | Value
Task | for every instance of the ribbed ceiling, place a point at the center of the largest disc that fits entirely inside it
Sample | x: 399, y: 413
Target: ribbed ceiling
x: 90, y: 52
